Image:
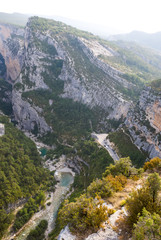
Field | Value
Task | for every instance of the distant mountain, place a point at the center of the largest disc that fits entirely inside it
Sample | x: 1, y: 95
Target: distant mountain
x: 97, y: 29
x: 14, y: 18
x: 152, y: 40
x: 21, y: 20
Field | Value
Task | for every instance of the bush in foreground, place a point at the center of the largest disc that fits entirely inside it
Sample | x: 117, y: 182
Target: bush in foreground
x: 84, y: 214
x: 122, y: 167
x: 105, y: 187
x: 148, y: 226
x: 153, y: 164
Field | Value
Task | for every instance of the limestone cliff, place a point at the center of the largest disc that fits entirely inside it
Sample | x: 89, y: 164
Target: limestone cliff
x: 144, y: 122
x: 64, y: 62
x: 58, y: 55
x: 11, y: 48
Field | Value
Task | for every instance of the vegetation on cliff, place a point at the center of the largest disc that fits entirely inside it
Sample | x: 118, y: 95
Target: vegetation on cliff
x: 5, y: 99
x: 147, y: 226
x: 128, y: 56
x: 69, y: 119
x: 126, y: 148
x: 83, y: 214
x: 32, y: 206
x: 96, y: 159
x: 21, y: 172
x: 156, y: 85
x: 144, y: 208
x: 79, y: 216
x: 142, y: 205
x: 38, y: 232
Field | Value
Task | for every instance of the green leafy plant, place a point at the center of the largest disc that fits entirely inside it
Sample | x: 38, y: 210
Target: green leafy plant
x: 147, y: 227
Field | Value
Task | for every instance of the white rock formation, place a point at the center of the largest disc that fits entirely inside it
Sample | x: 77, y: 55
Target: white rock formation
x: 2, y: 129
x: 65, y: 234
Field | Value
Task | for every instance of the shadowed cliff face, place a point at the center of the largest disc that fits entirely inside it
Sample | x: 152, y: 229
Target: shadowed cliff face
x: 144, y: 122
x: 11, y: 48
x: 154, y: 114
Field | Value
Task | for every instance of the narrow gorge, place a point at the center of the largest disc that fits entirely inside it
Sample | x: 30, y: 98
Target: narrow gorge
x: 61, y: 90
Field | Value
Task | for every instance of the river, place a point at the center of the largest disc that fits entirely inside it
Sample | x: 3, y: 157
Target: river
x: 50, y: 212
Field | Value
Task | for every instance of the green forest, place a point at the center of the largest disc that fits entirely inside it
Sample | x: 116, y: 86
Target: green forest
x: 21, y: 171
x: 126, y: 148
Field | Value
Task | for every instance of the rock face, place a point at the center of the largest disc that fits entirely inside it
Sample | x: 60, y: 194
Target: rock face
x: 107, y: 234
x: 2, y: 129
x: 11, y: 59
x: 144, y: 122
x: 65, y: 234
x: 27, y: 116
x: 47, y: 53
x: 11, y: 48
x: 96, y: 86
x: 67, y: 58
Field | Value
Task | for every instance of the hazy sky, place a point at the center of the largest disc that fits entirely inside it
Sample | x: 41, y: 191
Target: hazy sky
x: 124, y: 15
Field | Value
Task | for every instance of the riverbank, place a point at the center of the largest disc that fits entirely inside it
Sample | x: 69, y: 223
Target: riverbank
x: 50, y: 211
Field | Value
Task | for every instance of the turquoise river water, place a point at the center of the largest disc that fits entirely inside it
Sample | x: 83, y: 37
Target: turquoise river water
x: 50, y: 212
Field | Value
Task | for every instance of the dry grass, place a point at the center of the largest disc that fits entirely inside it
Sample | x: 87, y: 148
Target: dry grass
x: 117, y: 197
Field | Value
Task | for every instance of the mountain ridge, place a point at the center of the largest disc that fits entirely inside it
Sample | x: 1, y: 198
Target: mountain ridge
x: 151, y: 40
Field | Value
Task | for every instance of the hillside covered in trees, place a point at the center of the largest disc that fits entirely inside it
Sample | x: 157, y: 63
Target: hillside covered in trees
x: 21, y: 171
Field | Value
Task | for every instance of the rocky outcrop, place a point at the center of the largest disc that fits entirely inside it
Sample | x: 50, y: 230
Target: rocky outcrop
x: 106, y: 234
x: 41, y: 51
x: 27, y: 116
x: 65, y: 234
x: 112, y: 72
x: 2, y: 129
x: 87, y: 88
x: 143, y: 122
x: 35, y: 58
x: 11, y: 48
x: 30, y: 78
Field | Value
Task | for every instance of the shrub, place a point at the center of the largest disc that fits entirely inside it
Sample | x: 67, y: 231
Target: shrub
x: 121, y: 167
x: 84, y: 214
x: 102, y: 188
x: 153, y: 164
x: 117, y: 182
x: 105, y: 187
x: 146, y: 197
x: 123, y: 202
x: 147, y: 226
x: 154, y: 185
x: 135, y: 204
x: 111, y: 211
